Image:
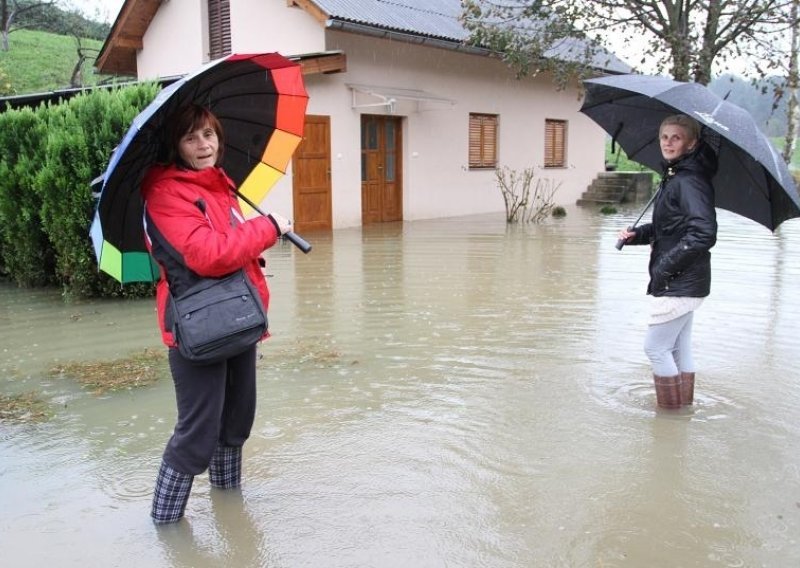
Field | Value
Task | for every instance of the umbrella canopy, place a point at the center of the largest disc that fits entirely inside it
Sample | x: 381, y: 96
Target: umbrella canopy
x: 752, y: 179
x: 261, y: 102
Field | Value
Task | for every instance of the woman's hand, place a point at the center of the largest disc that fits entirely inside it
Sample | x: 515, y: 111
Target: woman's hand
x: 282, y: 224
x: 626, y: 235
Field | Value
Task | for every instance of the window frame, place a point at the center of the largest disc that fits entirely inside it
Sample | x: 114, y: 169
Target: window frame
x: 219, y: 29
x: 555, y: 143
x: 482, y: 141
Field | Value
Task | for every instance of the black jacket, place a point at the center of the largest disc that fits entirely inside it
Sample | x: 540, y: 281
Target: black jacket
x: 684, y: 227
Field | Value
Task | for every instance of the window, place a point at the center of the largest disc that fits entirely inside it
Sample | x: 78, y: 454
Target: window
x: 555, y: 143
x: 219, y: 28
x: 482, y: 140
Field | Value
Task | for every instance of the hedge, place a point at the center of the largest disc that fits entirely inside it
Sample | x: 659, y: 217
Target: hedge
x: 48, y: 158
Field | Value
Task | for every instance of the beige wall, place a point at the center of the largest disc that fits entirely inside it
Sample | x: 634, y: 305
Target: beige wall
x: 270, y: 25
x: 173, y: 44
x: 177, y: 40
x: 436, y: 179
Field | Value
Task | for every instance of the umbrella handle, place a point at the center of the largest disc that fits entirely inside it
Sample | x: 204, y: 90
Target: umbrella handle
x: 292, y: 237
x: 621, y: 242
x: 298, y: 241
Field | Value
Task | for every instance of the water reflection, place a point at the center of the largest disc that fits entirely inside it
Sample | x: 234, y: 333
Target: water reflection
x: 436, y: 393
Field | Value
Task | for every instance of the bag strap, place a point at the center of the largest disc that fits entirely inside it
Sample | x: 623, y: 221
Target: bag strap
x: 155, y: 235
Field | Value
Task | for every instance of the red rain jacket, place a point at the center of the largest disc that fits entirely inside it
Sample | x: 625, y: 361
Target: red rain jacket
x: 198, y: 217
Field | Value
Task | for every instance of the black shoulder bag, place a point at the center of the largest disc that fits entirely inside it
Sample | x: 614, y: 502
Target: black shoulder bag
x: 216, y: 318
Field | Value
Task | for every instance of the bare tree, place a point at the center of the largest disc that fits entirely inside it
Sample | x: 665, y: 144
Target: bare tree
x: 77, y: 28
x: 685, y: 37
x: 528, y: 199
x: 792, y: 86
x: 11, y: 11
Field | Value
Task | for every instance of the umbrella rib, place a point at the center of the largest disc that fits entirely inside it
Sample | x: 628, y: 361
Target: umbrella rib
x: 635, y: 153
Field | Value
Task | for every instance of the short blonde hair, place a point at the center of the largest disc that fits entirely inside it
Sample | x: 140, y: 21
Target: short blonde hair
x: 686, y: 122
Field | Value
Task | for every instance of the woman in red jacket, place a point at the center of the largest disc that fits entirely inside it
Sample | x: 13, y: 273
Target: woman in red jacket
x: 195, y: 228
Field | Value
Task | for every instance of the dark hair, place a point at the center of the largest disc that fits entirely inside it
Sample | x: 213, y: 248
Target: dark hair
x: 186, y: 119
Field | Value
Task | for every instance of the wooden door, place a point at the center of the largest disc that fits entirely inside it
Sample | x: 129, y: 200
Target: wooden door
x: 311, y: 177
x: 381, y: 167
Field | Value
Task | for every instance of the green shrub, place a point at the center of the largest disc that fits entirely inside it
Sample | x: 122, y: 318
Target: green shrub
x: 27, y: 255
x: 559, y: 211
x: 608, y: 210
x: 48, y: 159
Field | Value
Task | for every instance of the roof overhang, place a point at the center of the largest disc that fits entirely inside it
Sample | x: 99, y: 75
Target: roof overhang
x: 118, y: 54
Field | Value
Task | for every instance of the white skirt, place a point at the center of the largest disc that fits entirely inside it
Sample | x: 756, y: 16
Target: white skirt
x: 667, y: 308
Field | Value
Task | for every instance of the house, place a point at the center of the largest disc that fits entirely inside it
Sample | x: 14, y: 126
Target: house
x: 405, y: 121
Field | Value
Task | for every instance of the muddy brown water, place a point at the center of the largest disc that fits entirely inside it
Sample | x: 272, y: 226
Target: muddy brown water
x: 451, y: 392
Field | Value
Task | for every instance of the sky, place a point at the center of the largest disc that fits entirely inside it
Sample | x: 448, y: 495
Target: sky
x: 106, y: 10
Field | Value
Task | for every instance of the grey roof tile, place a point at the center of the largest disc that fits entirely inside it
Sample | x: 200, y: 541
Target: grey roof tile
x: 435, y: 19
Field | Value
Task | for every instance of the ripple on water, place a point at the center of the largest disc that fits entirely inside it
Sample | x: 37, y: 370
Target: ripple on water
x: 128, y: 478
x: 638, y: 397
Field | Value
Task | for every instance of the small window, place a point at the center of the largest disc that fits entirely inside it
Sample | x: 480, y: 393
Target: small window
x: 482, y: 140
x: 219, y: 28
x: 555, y: 143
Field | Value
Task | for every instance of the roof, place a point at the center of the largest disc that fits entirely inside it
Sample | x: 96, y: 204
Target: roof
x: 436, y: 19
x: 431, y: 18
x: 118, y: 54
x: 415, y: 20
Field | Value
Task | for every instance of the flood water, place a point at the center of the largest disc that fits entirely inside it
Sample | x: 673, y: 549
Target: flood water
x: 446, y: 393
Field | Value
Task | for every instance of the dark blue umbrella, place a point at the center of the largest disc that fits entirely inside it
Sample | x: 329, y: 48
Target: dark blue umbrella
x: 752, y: 179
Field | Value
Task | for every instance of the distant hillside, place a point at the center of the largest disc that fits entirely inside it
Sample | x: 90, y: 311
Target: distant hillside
x: 758, y: 100
x: 39, y: 61
x: 54, y: 19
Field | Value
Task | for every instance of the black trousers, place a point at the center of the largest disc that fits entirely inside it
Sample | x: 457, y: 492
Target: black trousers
x: 216, y: 405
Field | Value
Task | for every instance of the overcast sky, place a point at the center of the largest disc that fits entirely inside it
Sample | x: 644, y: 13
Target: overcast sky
x: 105, y: 10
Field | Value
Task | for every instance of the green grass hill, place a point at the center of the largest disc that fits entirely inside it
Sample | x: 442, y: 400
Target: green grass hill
x: 39, y: 61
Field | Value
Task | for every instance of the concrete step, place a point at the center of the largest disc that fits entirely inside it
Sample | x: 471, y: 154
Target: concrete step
x: 595, y: 194
x: 607, y: 189
x: 615, y: 187
x: 583, y: 201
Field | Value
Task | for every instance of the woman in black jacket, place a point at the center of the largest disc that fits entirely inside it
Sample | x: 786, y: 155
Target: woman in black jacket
x: 681, y: 234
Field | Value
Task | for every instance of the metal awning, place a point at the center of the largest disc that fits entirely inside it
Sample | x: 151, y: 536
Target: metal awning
x: 389, y: 97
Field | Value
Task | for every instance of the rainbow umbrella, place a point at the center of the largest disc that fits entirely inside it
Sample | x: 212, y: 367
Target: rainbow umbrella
x: 260, y: 100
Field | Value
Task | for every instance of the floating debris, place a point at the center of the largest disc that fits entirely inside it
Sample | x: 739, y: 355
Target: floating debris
x: 23, y: 408
x: 313, y: 352
x: 136, y: 370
